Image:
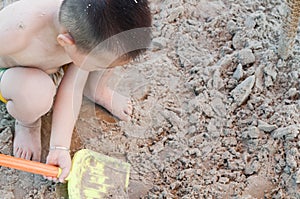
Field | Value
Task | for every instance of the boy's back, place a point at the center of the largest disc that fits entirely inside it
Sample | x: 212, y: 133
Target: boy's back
x: 28, y: 36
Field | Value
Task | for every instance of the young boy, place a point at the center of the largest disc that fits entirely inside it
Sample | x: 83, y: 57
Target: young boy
x: 38, y: 37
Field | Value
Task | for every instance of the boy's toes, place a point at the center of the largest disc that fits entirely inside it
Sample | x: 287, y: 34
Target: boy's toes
x: 25, y: 154
x: 124, y: 116
x: 28, y: 155
x: 128, y: 111
x: 17, y: 152
x: 129, y: 108
x: 36, y: 157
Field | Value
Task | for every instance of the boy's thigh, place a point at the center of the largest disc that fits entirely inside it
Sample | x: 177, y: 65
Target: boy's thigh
x: 27, y: 84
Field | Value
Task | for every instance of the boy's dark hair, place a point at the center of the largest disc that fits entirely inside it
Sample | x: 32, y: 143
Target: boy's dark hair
x: 94, y: 22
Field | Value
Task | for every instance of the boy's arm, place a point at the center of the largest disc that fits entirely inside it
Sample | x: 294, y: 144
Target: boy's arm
x: 65, y: 112
x: 67, y: 106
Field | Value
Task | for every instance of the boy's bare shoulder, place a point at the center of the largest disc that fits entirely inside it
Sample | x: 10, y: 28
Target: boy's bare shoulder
x: 20, y: 22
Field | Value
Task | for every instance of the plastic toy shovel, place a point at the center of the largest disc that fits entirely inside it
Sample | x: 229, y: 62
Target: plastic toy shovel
x: 92, y: 176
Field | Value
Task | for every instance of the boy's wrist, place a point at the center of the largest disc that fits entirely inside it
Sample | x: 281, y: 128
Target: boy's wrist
x: 56, y: 147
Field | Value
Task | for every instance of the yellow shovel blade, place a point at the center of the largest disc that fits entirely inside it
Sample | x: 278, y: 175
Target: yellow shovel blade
x: 95, y: 176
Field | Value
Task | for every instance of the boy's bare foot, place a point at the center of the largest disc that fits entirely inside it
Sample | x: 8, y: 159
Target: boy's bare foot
x: 117, y: 104
x: 27, y: 140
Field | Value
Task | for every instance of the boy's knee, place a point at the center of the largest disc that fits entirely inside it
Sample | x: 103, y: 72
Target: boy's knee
x: 33, y: 89
x: 40, y: 90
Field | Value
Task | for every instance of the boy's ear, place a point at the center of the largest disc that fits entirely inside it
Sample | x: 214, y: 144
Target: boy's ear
x: 65, y: 39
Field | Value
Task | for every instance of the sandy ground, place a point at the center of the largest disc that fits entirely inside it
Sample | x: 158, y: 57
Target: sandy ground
x: 216, y: 111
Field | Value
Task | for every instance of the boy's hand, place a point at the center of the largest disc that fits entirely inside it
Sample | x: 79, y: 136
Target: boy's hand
x: 62, y: 159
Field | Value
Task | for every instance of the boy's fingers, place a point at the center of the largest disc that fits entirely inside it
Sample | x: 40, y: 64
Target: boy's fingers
x: 63, y: 175
x: 49, y: 178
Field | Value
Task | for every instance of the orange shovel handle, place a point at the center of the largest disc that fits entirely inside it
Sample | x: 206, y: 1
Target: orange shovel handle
x: 29, y: 166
